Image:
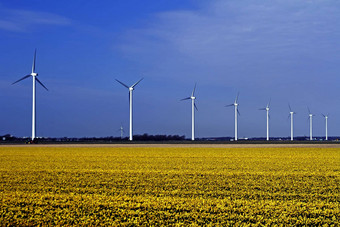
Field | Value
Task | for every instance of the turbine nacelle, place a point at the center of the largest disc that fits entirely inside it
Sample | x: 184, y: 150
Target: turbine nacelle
x: 325, y: 116
x: 192, y: 97
x: 235, y: 102
x: 266, y: 108
x: 310, y: 113
x: 34, y: 74
x: 132, y: 87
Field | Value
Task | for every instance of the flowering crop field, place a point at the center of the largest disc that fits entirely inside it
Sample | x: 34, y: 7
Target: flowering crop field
x: 169, y: 186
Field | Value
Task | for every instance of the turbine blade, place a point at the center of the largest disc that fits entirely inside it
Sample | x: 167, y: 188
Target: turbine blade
x: 269, y: 116
x: 262, y: 109
x: 41, y: 83
x: 238, y: 93
x: 193, y: 91
x: 122, y: 84
x: 323, y: 115
x: 137, y: 83
x: 290, y: 109
x: 195, y: 106
x: 229, y: 105
x: 308, y: 109
x: 269, y: 102
x: 21, y: 79
x: 33, y: 65
x: 238, y: 112
x: 185, y: 98
x: 288, y: 116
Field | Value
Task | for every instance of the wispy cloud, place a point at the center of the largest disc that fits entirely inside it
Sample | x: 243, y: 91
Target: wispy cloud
x: 225, y: 34
x: 23, y: 20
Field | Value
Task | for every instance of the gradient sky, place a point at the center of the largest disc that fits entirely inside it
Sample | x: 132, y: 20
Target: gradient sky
x: 284, y: 50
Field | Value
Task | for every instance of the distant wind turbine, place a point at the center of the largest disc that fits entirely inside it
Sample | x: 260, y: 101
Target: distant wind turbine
x: 235, y: 104
x: 267, y: 110
x: 121, y: 132
x: 193, y: 107
x: 310, y: 124
x: 291, y: 123
x: 326, y: 119
x: 34, y: 77
x: 131, y: 88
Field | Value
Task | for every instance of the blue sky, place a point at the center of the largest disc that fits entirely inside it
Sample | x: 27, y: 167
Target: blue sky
x: 284, y: 50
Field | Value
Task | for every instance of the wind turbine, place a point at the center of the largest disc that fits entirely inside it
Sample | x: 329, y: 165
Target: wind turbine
x: 131, y: 88
x: 291, y: 122
x: 326, y: 119
x: 121, y: 132
x: 193, y: 107
x: 235, y: 104
x: 267, y: 110
x: 310, y: 124
x: 34, y: 77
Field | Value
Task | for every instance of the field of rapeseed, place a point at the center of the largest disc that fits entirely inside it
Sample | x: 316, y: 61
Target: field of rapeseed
x: 169, y: 186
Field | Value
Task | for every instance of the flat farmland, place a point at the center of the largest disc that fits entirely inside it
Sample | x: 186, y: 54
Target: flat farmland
x: 173, y: 185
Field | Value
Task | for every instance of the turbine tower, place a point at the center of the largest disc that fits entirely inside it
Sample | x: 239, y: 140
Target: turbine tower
x: 291, y: 123
x: 267, y: 110
x: 235, y: 104
x: 34, y: 77
x: 326, y: 119
x: 310, y: 124
x: 131, y: 88
x: 193, y: 107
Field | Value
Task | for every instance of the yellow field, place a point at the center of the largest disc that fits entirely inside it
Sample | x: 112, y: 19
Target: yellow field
x: 169, y: 186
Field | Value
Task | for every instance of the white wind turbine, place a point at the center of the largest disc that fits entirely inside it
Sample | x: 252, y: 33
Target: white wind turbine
x: 267, y: 110
x: 291, y: 123
x: 310, y: 124
x: 131, y: 88
x: 193, y: 107
x: 34, y: 77
x: 326, y: 119
x: 235, y: 104
x: 121, y: 132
